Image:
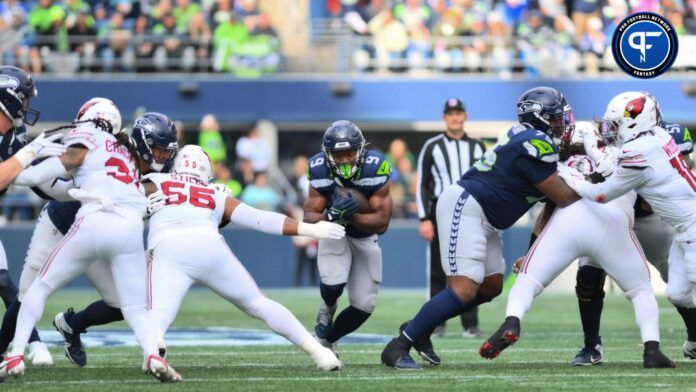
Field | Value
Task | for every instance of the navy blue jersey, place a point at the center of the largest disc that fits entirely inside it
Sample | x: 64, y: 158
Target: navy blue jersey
x: 10, y: 143
x: 503, y: 180
x: 681, y: 136
x: 62, y: 214
x: 372, y: 176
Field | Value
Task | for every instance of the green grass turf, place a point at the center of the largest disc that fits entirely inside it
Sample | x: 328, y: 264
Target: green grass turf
x: 539, y: 361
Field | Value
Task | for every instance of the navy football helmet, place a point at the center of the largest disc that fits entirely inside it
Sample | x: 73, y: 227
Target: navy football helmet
x: 155, y: 131
x: 546, y: 109
x: 16, y: 88
x: 343, y: 135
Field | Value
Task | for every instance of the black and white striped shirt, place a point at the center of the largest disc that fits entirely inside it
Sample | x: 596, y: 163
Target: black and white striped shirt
x: 442, y: 161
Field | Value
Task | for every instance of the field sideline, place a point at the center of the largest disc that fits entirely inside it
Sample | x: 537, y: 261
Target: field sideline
x: 551, y: 335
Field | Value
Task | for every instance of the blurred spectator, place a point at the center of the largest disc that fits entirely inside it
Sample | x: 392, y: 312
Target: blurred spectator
x: 46, y: 20
x: 403, y: 184
x: 390, y: 39
x: 583, y: 10
x: 211, y: 140
x: 117, y: 52
x: 306, y: 247
x: 251, y: 147
x: 223, y: 175
x: 82, y: 35
x: 259, y: 52
x: 228, y: 35
x: 301, y: 182
x: 201, y: 37
x: 183, y: 12
x: 261, y: 195
x: 592, y: 46
x: 13, y: 44
x: 169, y: 52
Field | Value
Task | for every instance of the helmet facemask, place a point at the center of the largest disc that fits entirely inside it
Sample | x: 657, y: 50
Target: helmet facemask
x: 345, y: 170
x: 160, y: 157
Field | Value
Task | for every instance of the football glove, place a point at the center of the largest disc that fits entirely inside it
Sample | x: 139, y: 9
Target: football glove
x: 321, y: 230
x: 155, y: 201
x: 41, y: 147
x: 342, y: 209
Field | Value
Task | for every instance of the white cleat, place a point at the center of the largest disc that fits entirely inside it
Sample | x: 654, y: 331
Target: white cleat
x: 160, y: 369
x: 323, y: 357
x: 12, y: 366
x: 690, y: 349
x: 330, y: 345
x: 39, y: 355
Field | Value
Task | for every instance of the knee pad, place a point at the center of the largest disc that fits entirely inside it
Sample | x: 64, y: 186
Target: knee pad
x: 8, y: 290
x: 590, y: 283
x: 330, y: 293
x: 366, y: 302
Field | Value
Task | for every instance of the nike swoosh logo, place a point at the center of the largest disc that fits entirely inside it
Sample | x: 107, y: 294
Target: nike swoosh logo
x: 594, y: 359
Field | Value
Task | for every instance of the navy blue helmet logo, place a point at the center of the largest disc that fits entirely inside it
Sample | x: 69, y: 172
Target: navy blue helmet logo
x: 645, y: 45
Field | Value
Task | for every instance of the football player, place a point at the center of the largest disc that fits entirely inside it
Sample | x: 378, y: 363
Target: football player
x: 154, y: 135
x: 651, y: 163
x: 353, y: 262
x: 103, y: 164
x: 16, y: 89
x: 655, y: 237
x: 601, y: 233
x: 501, y: 187
x: 185, y: 247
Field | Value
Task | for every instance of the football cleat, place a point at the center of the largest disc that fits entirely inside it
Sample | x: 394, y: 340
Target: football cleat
x: 424, y: 347
x: 326, y: 359
x: 472, y: 332
x: 396, y: 355
x: 589, y: 356
x: 324, y: 320
x: 654, y: 358
x: 73, y: 345
x: 504, y: 337
x: 160, y: 369
x: 161, y: 345
x: 330, y: 345
x: 690, y: 349
x: 12, y: 366
x: 39, y: 355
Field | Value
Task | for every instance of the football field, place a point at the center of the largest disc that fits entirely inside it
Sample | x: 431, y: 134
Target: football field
x: 551, y: 335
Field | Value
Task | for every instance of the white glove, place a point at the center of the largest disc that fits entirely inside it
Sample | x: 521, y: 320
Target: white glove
x: 571, y: 177
x: 321, y: 230
x: 41, y: 147
x: 155, y: 201
x: 606, y: 165
x: 223, y: 189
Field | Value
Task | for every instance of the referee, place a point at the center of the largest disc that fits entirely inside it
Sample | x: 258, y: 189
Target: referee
x: 441, y: 162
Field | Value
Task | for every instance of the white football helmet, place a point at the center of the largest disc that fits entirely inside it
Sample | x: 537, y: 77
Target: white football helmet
x: 192, y: 160
x: 583, y: 128
x: 103, y: 113
x: 628, y: 115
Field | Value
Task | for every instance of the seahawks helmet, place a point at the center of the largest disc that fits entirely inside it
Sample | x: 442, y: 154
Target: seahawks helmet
x: 16, y: 88
x: 343, y: 135
x: 546, y: 109
x: 152, y: 130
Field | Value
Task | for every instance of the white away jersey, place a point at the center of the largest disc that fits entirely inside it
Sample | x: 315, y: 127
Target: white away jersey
x: 107, y: 176
x: 192, y: 207
x: 653, y: 166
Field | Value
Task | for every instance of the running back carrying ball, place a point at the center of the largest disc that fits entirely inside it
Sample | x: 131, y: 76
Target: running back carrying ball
x: 364, y: 205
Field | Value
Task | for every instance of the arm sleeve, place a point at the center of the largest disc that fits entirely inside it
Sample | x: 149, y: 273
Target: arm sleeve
x: 252, y: 218
x: 80, y: 137
x: 56, y: 189
x: 621, y: 182
x: 43, y: 172
x: 424, y: 190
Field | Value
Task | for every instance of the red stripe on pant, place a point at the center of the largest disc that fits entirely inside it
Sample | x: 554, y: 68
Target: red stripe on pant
x: 71, y: 234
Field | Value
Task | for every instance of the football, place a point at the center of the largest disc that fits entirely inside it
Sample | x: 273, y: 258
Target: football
x: 362, y: 200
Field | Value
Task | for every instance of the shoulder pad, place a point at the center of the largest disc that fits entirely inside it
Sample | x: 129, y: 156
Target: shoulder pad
x: 539, y: 145
x: 681, y: 136
x: 375, y: 164
x: 318, y: 172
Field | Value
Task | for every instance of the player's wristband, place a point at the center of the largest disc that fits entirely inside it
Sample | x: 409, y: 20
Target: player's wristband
x: 532, y: 238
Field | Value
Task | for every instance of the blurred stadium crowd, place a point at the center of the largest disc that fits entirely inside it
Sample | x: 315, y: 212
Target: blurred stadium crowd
x: 551, y: 38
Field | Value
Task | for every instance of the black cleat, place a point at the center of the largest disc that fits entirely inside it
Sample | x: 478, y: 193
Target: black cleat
x: 396, y: 355
x: 73, y: 344
x: 325, y: 317
x: 589, y: 356
x: 424, y: 347
x: 505, y: 336
x: 654, y: 358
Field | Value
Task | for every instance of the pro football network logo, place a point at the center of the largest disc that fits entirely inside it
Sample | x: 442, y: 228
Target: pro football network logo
x: 645, y: 45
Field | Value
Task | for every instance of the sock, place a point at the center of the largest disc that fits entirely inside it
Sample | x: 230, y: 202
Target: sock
x: 347, y: 321
x: 279, y: 319
x: 590, y: 292
x: 522, y: 295
x: 436, y: 311
x: 689, y: 316
x: 469, y: 318
x: 143, y: 327
x: 29, y: 314
x: 330, y: 293
x: 646, y: 310
x: 8, y: 290
x: 96, y: 313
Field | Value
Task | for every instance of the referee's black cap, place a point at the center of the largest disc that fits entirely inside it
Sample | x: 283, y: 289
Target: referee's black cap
x: 454, y: 104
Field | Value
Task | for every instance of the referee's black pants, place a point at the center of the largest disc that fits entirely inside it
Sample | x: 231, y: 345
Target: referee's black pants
x: 438, y: 279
